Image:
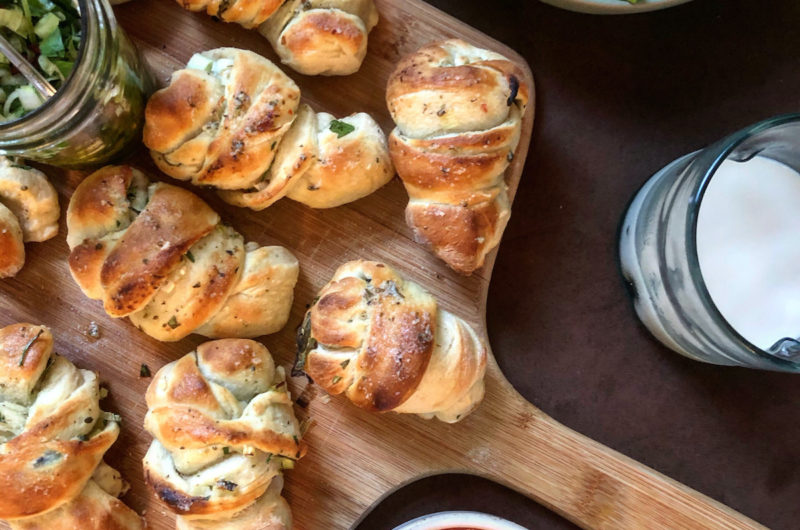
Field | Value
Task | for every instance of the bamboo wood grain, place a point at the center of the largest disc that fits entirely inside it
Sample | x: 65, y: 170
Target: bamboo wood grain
x: 355, y: 458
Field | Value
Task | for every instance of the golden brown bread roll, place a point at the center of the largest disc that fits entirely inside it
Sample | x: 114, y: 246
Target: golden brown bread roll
x: 27, y: 192
x: 224, y: 428
x: 220, y: 119
x: 28, y: 212
x: 248, y: 13
x: 314, y: 37
x: 12, y: 248
x: 458, y: 111
x: 54, y: 435
x: 384, y: 343
x: 231, y: 120
x: 159, y: 255
x: 321, y: 37
x: 323, y: 163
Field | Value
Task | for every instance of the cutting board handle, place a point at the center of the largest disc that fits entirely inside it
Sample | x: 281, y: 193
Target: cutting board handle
x: 592, y: 485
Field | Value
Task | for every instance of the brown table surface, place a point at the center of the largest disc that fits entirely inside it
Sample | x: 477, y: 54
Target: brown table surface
x: 618, y: 98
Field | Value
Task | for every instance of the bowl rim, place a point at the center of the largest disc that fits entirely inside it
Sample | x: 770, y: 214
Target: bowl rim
x: 457, y: 519
x: 613, y: 7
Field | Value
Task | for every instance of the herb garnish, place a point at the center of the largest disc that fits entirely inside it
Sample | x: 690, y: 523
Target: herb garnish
x: 144, y: 370
x: 28, y: 347
x: 190, y: 256
x: 173, y: 322
x: 227, y: 484
x: 341, y: 128
x: 48, y: 457
x: 305, y: 343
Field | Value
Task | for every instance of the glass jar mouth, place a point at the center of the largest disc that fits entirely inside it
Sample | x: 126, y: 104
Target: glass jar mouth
x: 44, y: 107
x: 718, y: 154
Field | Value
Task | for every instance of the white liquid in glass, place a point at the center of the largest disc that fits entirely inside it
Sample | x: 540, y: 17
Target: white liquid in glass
x: 748, y: 244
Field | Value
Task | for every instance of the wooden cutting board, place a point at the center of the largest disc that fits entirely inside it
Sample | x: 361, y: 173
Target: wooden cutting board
x: 355, y: 458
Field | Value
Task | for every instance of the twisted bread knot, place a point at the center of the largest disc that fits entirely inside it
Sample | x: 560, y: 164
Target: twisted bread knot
x: 458, y: 111
x: 224, y: 427
x: 385, y: 344
x: 220, y: 119
x: 160, y: 255
x: 322, y: 162
x: 12, y: 246
x: 252, y: 140
x: 314, y: 37
x: 321, y: 37
x: 54, y: 436
x: 248, y: 13
x: 28, y: 212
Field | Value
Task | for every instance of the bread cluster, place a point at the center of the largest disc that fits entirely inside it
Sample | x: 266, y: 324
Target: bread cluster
x: 458, y: 111
x: 53, y: 435
x: 384, y: 342
x: 28, y: 212
x: 162, y: 257
x: 233, y: 121
x: 314, y: 37
x: 224, y: 429
x: 221, y: 417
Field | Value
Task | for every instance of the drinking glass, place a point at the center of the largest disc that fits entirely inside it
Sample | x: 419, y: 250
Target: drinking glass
x: 659, y: 259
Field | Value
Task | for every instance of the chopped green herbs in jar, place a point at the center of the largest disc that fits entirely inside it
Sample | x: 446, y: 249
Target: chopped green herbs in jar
x: 48, y: 34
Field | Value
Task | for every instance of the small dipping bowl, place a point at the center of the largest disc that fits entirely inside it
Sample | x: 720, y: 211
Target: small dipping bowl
x: 459, y: 521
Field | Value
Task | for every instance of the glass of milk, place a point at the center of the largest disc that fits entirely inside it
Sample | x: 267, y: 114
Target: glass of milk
x: 710, y: 246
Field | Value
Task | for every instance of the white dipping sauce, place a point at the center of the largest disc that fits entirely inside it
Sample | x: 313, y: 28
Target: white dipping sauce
x: 748, y: 243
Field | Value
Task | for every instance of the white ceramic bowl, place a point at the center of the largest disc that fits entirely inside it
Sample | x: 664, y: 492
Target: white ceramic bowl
x: 613, y: 7
x: 443, y: 520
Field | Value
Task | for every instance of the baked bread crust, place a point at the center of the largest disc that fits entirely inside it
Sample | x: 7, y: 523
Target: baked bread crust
x: 160, y: 255
x: 248, y: 13
x: 385, y: 344
x: 458, y: 111
x: 54, y: 436
x: 223, y: 423
x: 12, y: 248
x: 314, y: 37
x: 321, y: 37
x: 34, y: 201
x: 219, y: 120
x: 225, y: 123
x: 28, y: 212
x: 320, y: 168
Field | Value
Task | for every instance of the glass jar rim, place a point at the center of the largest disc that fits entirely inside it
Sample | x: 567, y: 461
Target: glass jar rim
x: 720, y: 152
x: 83, y: 6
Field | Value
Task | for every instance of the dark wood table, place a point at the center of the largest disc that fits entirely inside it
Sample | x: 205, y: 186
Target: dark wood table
x: 618, y: 98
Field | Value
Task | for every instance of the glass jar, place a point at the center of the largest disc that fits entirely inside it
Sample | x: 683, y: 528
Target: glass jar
x: 98, y: 112
x: 659, y: 256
